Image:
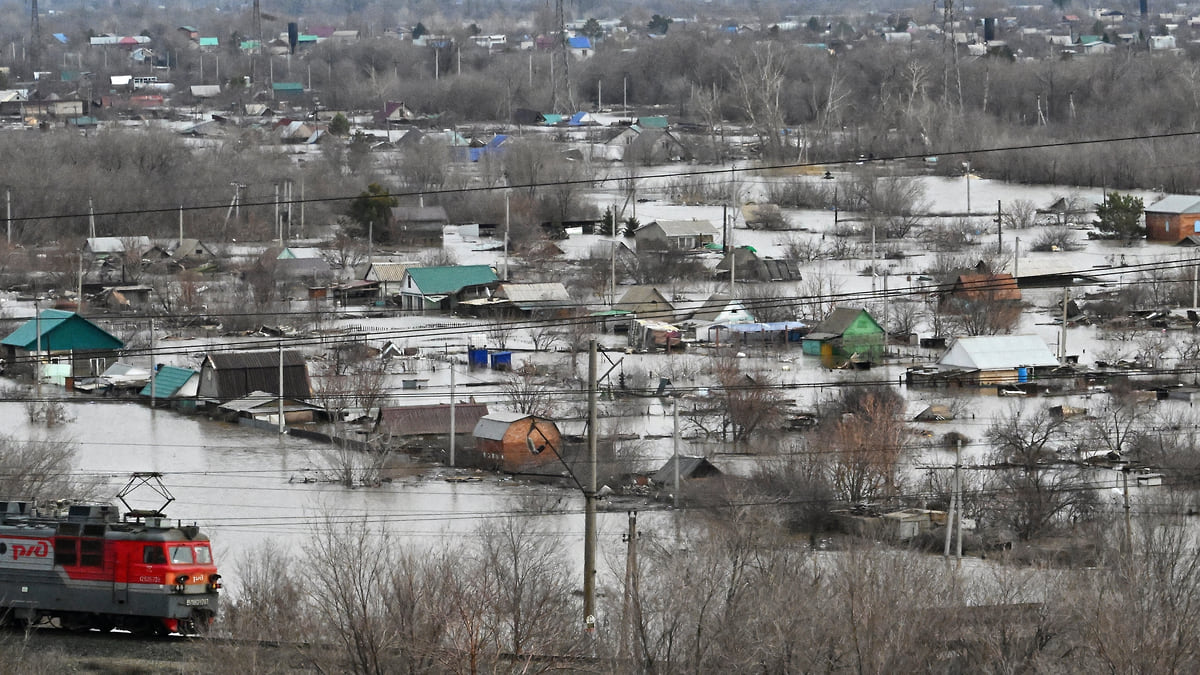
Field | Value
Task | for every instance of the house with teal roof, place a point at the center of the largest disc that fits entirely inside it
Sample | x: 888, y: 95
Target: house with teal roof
x: 440, y: 289
x: 63, y: 338
x: 178, y: 385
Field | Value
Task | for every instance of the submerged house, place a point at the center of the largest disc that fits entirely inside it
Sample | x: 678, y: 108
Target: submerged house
x: 69, y: 345
x: 225, y: 376
x: 430, y: 423
x: 518, y: 443
x: 178, y: 385
x: 998, y: 359
x: 846, y: 333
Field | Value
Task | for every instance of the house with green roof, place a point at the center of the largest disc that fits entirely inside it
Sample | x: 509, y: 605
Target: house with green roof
x: 178, y: 385
x: 440, y: 289
x: 847, y: 333
x: 61, y: 337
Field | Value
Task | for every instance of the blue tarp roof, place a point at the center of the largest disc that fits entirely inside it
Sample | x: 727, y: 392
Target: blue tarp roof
x: 61, y: 37
x: 580, y: 42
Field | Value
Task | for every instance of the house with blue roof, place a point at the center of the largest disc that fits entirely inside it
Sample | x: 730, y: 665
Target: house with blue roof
x: 440, y: 289
x: 580, y: 46
x: 493, y: 147
x: 61, y: 337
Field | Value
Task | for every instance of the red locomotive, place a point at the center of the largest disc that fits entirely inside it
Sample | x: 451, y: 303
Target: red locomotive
x: 83, y: 566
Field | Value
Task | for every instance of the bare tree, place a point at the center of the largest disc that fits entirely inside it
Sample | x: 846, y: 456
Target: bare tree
x: 867, y: 439
x: 526, y: 391
x: 1034, y: 493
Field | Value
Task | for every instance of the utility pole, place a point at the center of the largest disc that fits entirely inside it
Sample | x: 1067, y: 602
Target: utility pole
x: 589, y: 495
x: 452, y: 411
x: 8, y: 214
x: 1128, y: 524
x: 628, y: 627
x: 278, y: 223
x: 1017, y: 260
x: 999, y: 228
x: 91, y: 219
x: 153, y: 371
x: 506, y: 224
x: 1062, y: 338
x: 675, y: 452
x: 37, y: 364
x: 180, y: 225
x: 958, y: 497
x: 282, y: 425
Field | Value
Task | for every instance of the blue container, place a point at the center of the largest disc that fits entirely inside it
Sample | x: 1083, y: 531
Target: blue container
x: 501, y: 360
x: 477, y: 358
x: 1022, y: 374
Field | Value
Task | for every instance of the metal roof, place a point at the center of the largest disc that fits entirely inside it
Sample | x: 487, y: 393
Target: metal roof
x: 550, y: 292
x: 685, y: 228
x: 387, y: 271
x: 451, y: 279
x: 1176, y: 204
x: 169, y: 380
x: 268, y: 402
x: 61, y: 330
x: 493, y: 426
x: 998, y: 352
x: 421, y: 420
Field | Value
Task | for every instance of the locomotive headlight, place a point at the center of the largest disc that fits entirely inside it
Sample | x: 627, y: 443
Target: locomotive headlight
x: 181, y: 582
x: 214, y: 582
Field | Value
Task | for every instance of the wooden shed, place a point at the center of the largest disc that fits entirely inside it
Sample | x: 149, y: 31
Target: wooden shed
x: 517, y: 442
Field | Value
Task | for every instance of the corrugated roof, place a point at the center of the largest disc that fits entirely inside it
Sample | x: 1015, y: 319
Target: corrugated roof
x: 447, y: 280
x: 421, y: 420
x: 1176, y: 204
x: 61, y: 330
x: 998, y: 352
x: 387, y: 271
x: 168, y: 380
x: 684, y: 228
x: 550, y: 292
x: 266, y: 402
x: 494, y: 425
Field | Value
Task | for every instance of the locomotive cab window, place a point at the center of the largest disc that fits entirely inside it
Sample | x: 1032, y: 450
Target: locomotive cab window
x: 203, y: 555
x: 181, y: 555
x: 154, y: 555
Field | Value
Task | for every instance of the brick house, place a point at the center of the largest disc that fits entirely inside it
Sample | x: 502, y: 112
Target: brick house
x: 1173, y: 218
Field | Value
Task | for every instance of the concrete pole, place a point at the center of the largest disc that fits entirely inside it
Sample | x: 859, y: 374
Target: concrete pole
x: 589, y: 494
x: 507, y: 215
x: 282, y: 424
x: 1062, y: 338
x: 153, y: 370
x: 8, y: 214
x: 675, y: 452
x: 453, y: 431
x: 958, y: 498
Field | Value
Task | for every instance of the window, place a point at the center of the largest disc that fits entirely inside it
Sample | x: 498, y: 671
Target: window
x: 153, y: 555
x: 203, y: 555
x: 91, y: 552
x: 181, y: 555
x: 66, y: 551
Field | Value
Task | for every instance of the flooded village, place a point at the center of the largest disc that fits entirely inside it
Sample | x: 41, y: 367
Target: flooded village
x: 609, y: 353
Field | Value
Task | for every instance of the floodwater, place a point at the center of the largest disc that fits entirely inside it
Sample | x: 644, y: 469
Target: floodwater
x: 244, y: 486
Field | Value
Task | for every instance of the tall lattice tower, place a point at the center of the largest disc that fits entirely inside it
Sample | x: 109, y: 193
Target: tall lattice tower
x: 563, y: 100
